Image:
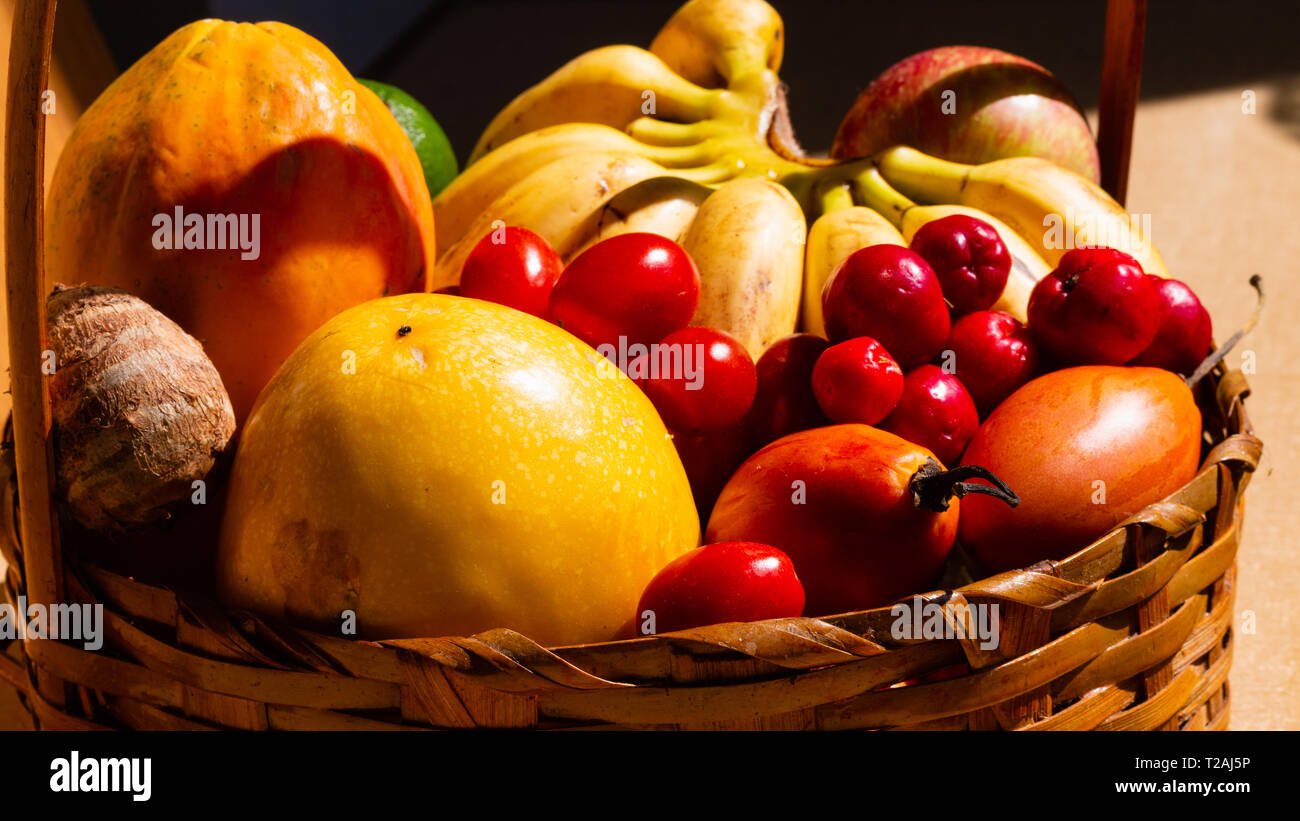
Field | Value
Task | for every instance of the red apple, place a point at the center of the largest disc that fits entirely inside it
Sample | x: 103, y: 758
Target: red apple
x: 971, y: 105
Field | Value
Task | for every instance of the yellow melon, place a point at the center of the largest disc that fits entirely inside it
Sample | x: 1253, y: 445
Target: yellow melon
x: 441, y: 466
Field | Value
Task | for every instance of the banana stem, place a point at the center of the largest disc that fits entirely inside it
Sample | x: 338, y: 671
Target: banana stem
x: 880, y: 196
x: 661, y: 133
x: 922, y: 176
x: 834, y: 195
x: 711, y: 174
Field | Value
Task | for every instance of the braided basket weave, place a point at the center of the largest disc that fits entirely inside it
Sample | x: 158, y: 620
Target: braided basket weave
x: 1132, y: 632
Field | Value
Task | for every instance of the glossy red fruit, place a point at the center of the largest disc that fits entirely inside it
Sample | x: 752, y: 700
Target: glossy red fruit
x: 993, y: 354
x: 1085, y: 448
x: 1185, y: 334
x: 891, y: 294
x: 866, y: 516
x: 935, y: 412
x: 857, y: 381
x: 699, y: 379
x: 638, y: 286
x: 1096, y: 308
x: 784, y: 402
x: 969, y: 258
x: 513, y: 267
x: 723, y: 582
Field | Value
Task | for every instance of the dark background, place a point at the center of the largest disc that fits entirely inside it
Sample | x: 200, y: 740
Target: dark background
x: 465, y: 59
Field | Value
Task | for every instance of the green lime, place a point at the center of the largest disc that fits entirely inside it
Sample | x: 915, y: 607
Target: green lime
x: 431, y: 143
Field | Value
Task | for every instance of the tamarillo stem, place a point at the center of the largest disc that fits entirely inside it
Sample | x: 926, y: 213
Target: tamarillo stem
x: 933, y: 487
x: 1223, y: 350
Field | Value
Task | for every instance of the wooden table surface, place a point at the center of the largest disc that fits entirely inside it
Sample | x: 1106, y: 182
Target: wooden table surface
x: 1221, y: 185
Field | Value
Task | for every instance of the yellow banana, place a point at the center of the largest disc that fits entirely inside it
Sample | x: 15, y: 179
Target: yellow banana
x: 842, y: 229
x: 561, y: 201
x: 748, y: 241
x: 1052, y: 208
x: 612, y: 86
x: 660, y: 205
x: 479, y: 185
x: 712, y: 42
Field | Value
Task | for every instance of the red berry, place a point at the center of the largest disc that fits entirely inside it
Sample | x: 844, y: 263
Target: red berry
x: 969, y: 258
x: 638, y: 286
x: 888, y: 293
x: 857, y: 381
x: 513, y: 267
x: 1096, y: 308
x: 699, y: 379
x: 993, y: 354
x: 935, y: 412
x: 1184, y: 335
x: 785, y: 402
x: 723, y: 582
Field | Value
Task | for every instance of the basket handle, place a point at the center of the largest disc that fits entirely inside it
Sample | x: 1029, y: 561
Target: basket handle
x: 29, y: 70
x: 1121, y: 74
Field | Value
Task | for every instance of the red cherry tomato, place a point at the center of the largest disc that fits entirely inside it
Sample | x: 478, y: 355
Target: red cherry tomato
x: 699, y: 379
x: 1096, y: 308
x: 784, y: 402
x: 935, y: 412
x: 857, y: 381
x: 638, y: 286
x: 969, y: 258
x: 888, y: 293
x: 723, y: 582
x: 514, y: 267
x: 994, y: 354
x: 1185, y: 333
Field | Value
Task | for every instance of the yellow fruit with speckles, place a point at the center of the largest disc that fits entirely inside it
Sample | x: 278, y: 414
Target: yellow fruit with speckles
x: 443, y: 466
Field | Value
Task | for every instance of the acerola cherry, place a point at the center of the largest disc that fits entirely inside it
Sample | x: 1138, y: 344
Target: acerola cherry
x: 699, y: 379
x: 993, y: 354
x: 723, y: 582
x: 888, y: 293
x: 935, y: 412
x: 969, y: 258
x: 638, y: 286
x: 785, y: 402
x: 857, y: 381
x: 1185, y: 333
x: 514, y: 267
x: 1096, y: 308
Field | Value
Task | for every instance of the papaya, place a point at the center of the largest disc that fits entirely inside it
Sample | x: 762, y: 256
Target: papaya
x: 432, y: 465
x: 1085, y: 448
x: 240, y: 180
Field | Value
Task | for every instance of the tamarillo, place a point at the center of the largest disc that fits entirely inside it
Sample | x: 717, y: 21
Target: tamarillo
x: 139, y: 410
x: 1085, y: 448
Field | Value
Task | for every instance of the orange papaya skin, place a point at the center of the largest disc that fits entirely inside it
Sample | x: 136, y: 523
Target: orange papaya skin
x: 241, y: 118
x: 1136, y: 431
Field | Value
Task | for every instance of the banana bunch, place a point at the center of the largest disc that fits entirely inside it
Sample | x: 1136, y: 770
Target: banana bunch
x: 690, y: 139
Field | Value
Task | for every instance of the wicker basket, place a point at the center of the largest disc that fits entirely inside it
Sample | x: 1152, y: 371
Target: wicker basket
x: 1132, y: 632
